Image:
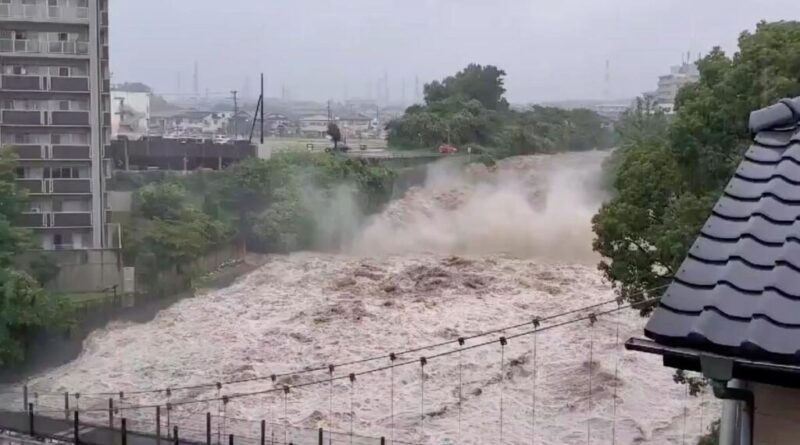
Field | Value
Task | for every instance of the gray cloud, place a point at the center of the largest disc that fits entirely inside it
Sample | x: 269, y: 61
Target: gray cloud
x: 318, y: 48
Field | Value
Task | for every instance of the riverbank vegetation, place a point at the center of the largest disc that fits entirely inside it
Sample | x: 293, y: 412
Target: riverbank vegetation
x: 470, y: 109
x: 24, y: 306
x: 278, y: 205
x: 667, y: 174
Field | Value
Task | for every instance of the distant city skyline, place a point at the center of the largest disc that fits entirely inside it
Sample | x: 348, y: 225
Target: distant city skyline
x: 317, y: 50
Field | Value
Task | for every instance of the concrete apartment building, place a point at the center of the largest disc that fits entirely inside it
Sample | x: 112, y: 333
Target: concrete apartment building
x: 55, y: 113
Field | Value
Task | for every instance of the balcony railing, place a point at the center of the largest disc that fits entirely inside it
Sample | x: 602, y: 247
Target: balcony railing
x: 14, y: 117
x: 27, y: 152
x: 71, y: 219
x: 44, y: 13
x: 71, y: 186
x: 31, y: 220
x: 71, y: 152
x: 40, y: 83
x: 80, y: 118
x: 38, y: 186
x: 35, y: 186
x: 79, y: 48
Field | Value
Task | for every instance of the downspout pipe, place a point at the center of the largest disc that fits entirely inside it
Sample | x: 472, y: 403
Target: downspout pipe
x: 734, y: 390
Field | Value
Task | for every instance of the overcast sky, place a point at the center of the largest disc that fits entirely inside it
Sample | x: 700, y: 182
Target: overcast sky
x: 320, y: 49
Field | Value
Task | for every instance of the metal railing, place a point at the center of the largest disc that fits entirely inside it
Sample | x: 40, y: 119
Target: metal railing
x: 32, y: 46
x: 43, y: 12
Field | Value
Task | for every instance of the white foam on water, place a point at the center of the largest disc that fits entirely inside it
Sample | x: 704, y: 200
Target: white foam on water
x: 522, y: 235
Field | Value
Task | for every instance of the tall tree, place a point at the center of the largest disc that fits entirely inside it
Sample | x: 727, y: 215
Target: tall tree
x: 667, y: 180
x: 336, y: 135
x: 24, y: 307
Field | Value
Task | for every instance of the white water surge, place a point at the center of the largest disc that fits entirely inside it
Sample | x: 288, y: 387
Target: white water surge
x: 470, y: 251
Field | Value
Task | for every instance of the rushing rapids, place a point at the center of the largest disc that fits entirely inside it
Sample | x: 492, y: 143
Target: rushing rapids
x: 473, y: 249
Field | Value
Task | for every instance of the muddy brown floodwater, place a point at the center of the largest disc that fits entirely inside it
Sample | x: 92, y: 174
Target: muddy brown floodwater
x: 473, y: 249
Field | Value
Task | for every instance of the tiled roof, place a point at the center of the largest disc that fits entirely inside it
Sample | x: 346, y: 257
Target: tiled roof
x: 738, y: 291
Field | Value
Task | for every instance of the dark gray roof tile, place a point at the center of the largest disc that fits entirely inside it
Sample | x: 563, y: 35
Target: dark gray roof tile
x: 738, y: 291
x: 768, y: 206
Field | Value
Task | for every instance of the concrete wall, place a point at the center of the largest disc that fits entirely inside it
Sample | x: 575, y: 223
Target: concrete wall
x: 83, y: 270
x: 777, y: 415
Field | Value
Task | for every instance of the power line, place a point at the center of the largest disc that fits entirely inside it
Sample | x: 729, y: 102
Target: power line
x: 372, y: 358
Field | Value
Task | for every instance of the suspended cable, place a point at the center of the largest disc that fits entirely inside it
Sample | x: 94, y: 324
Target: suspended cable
x: 383, y: 356
x: 616, y: 379
x: 502, y: 382
x: 352, y: 412
x: 285, y: 414
x: 392, y: 358
x: 592, y: 321
x: 685, y: 402
x: 404, y: 363
x: 330, y: 404
x: 422, y: 362
x: 460, y: 386
x: 536, y: 324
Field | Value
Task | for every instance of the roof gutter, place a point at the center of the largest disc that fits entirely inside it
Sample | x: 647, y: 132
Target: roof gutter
x: 736, y: 423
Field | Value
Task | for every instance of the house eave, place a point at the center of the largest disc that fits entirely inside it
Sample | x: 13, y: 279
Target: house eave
x: 744, y: 369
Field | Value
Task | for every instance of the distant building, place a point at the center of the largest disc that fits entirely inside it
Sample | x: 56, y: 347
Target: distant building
x: 354, y: 125
x: 314, y: 126
x: 278, y: 124
x: 611, y: 111
x: 669, y: 84
x: 130, y: 114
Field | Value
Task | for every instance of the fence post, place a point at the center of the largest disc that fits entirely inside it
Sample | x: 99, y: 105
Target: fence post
x: 208, y: 428
x: 230, y: 439
x: 158, y: 425
x: 111, y: 413
x: 263, y: 432
x: 30, y: 420
x: 75, y: 435
x: 124, y: 430
x: 66, y: 406
x: 25, y: 397
x: 383, y: 440
x: 319, y: 441
x: 175, y: 434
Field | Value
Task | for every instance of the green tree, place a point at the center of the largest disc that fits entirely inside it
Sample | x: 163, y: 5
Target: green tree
x: 336, y: 135
x: 482, y: 83
x: 670, y: 173
x: 24, y: 307
x: 163, y: 200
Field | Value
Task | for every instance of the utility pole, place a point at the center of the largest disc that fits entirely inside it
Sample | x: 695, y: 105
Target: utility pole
x: 403, y: 94
x: 329, y: 112
x: 235, y: 113
x: 262, y: 108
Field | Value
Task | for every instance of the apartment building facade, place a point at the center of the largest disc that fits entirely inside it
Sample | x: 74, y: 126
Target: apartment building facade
x: 55, y: 114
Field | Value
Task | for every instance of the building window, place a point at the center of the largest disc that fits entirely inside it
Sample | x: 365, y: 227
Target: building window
x: 55, y: 139
x: 21, y: 138
x: 20, y: 35
x: 52, y: 3
x: 63, y: 71
x: 63, y: 37
x: 83, y: 3
x: 58, y: 205
x: 63, y: 105
x: 20, y: 172
x: 64, y: 172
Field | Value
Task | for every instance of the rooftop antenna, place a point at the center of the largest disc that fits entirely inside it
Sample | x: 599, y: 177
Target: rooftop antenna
x: 403, y: 93
x: 607, y: 89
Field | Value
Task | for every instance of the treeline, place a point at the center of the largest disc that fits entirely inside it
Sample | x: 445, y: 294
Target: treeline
x: 470, y: 109
x: 668, y: 173
x: 274, y: 206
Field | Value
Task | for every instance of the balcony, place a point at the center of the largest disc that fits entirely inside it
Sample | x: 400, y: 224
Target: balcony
x: 70, y: 84
x: 71, y: 219
x: 33, y: 186
x: 22, y: 83
x: 79, y: 118
x: 71, y: 152
x: 44, y: 13
x: 31, y: 220
x: 28, y: 152
x: 71, y: 186
x: 14, y: 117
x: 19, y: 47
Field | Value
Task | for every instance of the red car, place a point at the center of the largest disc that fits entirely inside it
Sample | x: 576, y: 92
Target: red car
x: 447, y: 149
